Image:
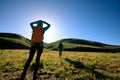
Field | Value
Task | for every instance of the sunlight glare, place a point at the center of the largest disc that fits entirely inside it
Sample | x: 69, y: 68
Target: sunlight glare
x: 34, y: 24
x: 49, y: 35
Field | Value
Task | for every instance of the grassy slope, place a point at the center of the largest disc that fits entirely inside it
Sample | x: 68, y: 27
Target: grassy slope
x: 16, y: 41
x: 81, y: 65
x: 13, y: 41
x: 83, y: 45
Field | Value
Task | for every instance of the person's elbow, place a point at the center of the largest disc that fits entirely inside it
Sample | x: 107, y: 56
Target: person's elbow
x: 31, y: 24
x: 49, y: 25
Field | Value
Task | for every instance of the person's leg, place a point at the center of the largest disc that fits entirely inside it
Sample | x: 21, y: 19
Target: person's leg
x: 60, y: 53
x: 39, y: 52
x: 31, y: 55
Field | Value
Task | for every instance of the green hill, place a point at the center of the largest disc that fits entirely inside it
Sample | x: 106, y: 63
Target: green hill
x: 73, y: 44
x: 16, y: 41
x: 13, y: 41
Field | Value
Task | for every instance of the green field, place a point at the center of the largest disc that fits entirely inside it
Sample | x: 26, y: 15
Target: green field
x: 72, y: 66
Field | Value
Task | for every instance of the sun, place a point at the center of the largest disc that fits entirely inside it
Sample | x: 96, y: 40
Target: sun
x: 50, y: 34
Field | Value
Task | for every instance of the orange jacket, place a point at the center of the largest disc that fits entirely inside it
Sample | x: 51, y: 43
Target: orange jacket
x: 37, y: 35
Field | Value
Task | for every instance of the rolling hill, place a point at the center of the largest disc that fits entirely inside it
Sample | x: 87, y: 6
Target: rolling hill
x: 73, y: 44
x: 13, y: 41
x: 17, y: 41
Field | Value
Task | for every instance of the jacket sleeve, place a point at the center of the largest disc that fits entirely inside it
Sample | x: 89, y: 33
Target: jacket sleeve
x: 31, y: 24
x: 47, y: 27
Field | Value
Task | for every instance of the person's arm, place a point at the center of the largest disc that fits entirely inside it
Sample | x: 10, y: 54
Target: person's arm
x: 31, y: 24
x: 47, y: 27
x: 62, y: 47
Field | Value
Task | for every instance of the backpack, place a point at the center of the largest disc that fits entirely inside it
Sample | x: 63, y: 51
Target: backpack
x: 37, y: 35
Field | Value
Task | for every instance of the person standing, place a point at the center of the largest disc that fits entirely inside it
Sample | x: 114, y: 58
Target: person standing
x: 37, y: 44
x: 60, y: 48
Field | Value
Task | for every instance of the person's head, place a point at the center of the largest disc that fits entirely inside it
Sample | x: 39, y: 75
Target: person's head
x: 60, y: 42
x: 40, y: 23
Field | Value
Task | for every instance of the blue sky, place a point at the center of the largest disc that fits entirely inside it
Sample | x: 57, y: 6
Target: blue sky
x: 96, y: 20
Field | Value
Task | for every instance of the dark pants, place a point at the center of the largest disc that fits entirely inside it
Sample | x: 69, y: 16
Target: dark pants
x: 60, y: 53
x: 31, y: 55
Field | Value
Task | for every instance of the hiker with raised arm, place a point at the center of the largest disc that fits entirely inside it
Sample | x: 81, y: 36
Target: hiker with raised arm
x: 37, y: 45
x: 60, y: 49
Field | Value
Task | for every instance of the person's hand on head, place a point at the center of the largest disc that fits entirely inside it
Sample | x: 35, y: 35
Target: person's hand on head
x: 40, y: 22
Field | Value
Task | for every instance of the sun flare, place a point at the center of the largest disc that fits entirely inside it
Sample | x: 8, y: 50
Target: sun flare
x: 50, y: 34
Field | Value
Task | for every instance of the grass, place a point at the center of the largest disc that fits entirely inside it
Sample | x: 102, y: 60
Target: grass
x: 72, y: 66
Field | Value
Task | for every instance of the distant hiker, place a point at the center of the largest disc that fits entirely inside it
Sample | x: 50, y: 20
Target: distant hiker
x: 37, y: 44
x: 60, y: 48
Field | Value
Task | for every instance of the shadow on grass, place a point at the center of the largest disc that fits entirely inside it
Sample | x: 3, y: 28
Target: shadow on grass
x: 76, y: 64
x: 79, y: 65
